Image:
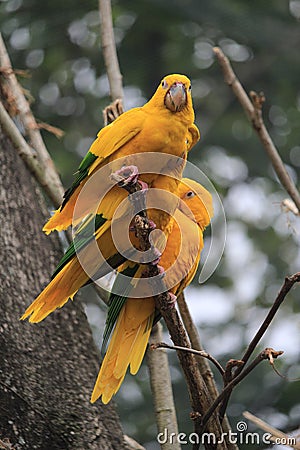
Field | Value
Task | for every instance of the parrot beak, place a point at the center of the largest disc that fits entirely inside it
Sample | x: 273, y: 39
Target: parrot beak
x: 176, y: 98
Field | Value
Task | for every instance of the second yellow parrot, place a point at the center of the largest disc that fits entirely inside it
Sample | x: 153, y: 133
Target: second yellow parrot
x: 132, y: 318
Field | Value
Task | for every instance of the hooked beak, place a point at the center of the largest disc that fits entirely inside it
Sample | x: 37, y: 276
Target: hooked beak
x: 176, y: 98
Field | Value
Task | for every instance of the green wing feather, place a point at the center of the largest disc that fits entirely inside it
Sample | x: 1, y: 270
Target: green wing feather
x: 82, y: 238
x: 116, y: 302
x: 82, y: 173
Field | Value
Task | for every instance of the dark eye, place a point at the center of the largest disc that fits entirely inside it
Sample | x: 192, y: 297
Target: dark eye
x: 164, y: 84
x: 190, y: 194
x: 190, y: 88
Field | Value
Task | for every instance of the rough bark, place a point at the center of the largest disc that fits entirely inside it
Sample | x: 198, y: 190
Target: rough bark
x: 47, y: 370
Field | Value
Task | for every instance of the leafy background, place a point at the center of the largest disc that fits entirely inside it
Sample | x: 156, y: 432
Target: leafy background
x: 59, y: 44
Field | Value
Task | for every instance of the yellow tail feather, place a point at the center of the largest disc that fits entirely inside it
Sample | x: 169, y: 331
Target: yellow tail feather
x: 57, y: 292
x: 127, y: 347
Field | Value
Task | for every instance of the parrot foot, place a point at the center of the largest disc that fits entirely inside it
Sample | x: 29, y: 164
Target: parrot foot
x: 172, y: 299
x: 143, y: 185
x: 126, y: 176
x: 151, y: 226
x: 161, y: 271
x: 147, y: 272
x: 156, y: 254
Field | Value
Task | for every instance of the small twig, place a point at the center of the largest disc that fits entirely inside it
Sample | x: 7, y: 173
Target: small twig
x: 287, y: 286
x: 285, y: 289
x: 27, y: 154
x: 201, y: 353
x: 48, y: 178
x: 199, y: 396
x: 192, y: 331
x: 267, y: 353
x: 203, y: 364
x: 161, y: 388
x: 132, y: 444
x: 51, y: 129
x: 109, y: 50
x: 253, y: 112
x: 289, y: 206
x: 274, y: 432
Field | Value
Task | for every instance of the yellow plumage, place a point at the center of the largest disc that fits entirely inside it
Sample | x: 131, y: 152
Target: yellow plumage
x: 163, y: 125
x: 133, y: 326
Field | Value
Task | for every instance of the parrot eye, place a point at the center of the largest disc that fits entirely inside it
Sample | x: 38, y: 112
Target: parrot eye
x: 190, y: 88
x: 190, y: 194
x: 164, y: 84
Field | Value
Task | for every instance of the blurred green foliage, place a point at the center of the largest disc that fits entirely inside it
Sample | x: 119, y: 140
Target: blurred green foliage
x: 59, y: 44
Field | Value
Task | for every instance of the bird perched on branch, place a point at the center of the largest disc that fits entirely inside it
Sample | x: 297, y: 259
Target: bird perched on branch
x: 165, y: 124
x: 132, y: 318
x: 93, y: 252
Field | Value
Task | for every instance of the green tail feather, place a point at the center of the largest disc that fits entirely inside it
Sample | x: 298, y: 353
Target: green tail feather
x: 116, y: 302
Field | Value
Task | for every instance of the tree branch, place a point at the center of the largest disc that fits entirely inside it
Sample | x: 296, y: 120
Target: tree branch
x: 200, y: 353
x: 268, y: 353
x: 253, y: 110
x: 161, y: 387
x: 18, y: 105
x: 199, y: 396
x: 274, y: 432
x: 286, y: 287
x: 203, y: 363
x: 29, y: 156
x: 108, y: 45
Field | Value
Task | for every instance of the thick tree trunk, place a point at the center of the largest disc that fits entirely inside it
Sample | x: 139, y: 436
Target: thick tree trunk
x: 47, y: 370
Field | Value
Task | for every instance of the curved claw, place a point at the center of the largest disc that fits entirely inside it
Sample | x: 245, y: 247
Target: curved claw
x: 157, y: 256
x: 126, y: 175
x: 144, y: 186
x: 172, y: 299
x: 152, y: 224
x: 161, y: 271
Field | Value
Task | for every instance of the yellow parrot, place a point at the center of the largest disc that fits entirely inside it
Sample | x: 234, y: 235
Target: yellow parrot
x: 93, y: 253
x: 165, y: 124
x: 133, y: 318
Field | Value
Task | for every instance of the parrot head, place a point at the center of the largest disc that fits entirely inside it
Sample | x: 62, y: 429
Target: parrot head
x: 174, y: 92
x: 196, y: 202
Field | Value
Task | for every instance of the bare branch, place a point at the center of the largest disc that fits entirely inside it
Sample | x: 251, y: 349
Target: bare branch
x: 289, y: 206
x: 287, y: 286
x: 253, y: 112
x: 201, y: 353
x: 28, y: 155
x: 17, y: 102
x: 161, y: 387
x: 274, y: 432
x: 109, y: 50
x: 196, y: 344
x: 199, y: 396
x: 203, y: 363
x: 132, y: 444
x: 267, y: 353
